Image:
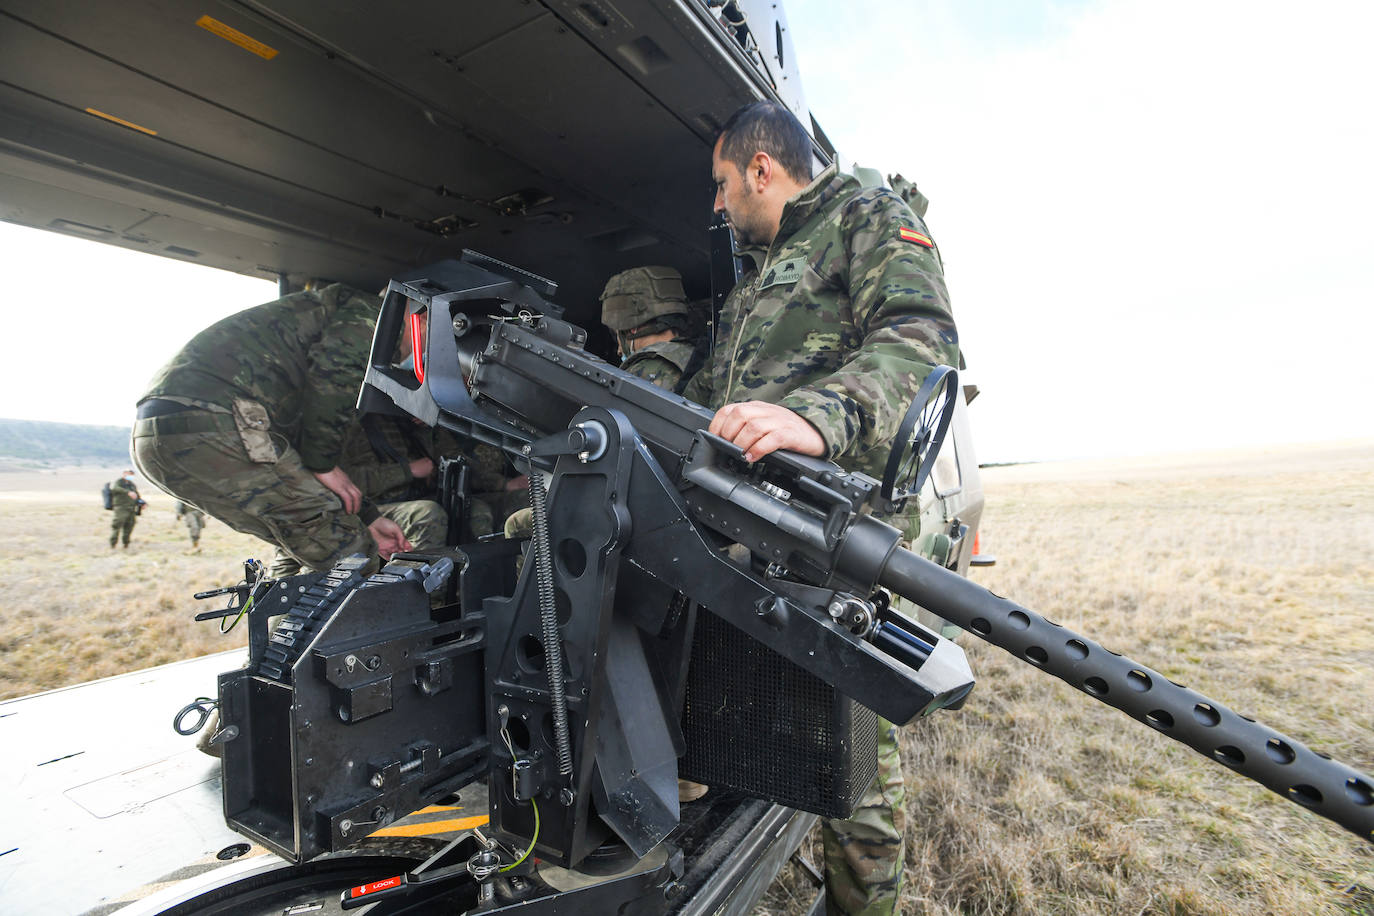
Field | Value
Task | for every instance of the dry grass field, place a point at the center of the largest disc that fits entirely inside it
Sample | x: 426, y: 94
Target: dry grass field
x: 72, y: 609
x: 1248, y: 577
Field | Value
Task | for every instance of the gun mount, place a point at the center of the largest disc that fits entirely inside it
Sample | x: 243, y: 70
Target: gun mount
x: 577, y: 684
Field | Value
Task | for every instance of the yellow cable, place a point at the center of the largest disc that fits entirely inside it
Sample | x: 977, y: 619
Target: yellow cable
x: 534, y: 839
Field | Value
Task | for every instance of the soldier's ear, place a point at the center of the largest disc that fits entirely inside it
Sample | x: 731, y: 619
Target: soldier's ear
x: 760, y: 171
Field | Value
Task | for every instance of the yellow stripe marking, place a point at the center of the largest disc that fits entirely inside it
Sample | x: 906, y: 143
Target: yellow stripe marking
x: 122, y: 123
x: 229, y: 33
x: 462, y: 823
x: 435, y: 809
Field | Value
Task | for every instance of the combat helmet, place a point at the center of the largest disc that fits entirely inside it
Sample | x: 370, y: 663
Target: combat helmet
x: 637, y: 296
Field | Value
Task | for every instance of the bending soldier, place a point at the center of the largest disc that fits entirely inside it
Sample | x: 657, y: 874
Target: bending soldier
x: 820, y: 348
x: 247, y: 422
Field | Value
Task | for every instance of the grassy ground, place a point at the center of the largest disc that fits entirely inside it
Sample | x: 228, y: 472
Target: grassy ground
x: 72, y: 609
x: 1248, y: 578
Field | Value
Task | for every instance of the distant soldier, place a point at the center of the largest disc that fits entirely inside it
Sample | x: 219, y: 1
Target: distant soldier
x: 194, y: 520
x: 247, y: 423
x: 647, y: 310
x: 125, y: 502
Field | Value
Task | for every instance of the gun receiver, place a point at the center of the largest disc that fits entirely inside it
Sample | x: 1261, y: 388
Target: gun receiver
x: 565, y: 685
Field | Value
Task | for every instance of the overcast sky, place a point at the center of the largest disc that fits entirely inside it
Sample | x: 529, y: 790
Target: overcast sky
x: 1154, y: 215
x: 1154, y: 219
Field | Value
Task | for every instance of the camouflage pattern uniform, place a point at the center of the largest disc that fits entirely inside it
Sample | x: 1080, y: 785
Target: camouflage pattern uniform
x: 662, y: 363
x: 840, y: 320
x: 391, y: 481
x: 387, y: 480
x: 268, y: 394
x: 123, y: 497
x: 402, y: 498
x: 194, y: 519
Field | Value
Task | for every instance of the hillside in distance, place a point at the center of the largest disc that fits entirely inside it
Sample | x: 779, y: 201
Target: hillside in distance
x: 35, y: 443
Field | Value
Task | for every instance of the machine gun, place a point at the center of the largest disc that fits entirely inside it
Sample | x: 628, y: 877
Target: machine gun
x: 682, y: 611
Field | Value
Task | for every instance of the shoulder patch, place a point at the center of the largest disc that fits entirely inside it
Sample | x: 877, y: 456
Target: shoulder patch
x: 788, y: 271
x: 911, y: 235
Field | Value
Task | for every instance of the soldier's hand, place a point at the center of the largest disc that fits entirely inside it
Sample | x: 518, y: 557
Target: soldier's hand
x: 421, y: 468
x: 760, y: 428
x: 338, y: 481
x: 389, y: 537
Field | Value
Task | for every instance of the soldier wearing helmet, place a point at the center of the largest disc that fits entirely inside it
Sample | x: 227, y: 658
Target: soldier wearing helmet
x: 647, y: 309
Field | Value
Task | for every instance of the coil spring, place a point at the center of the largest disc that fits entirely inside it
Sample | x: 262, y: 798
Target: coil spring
x: 548, y: 619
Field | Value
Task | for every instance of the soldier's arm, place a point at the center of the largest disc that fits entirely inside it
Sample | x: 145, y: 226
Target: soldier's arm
x: 897, y: 288
x: 335, y: 369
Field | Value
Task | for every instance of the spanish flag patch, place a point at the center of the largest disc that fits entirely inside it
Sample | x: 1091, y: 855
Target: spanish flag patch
x: 911, y: 235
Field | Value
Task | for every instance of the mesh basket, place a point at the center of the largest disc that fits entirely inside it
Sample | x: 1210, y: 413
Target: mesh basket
x: 756, y: 722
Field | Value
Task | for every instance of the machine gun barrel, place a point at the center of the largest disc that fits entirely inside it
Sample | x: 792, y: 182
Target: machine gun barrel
x: 1283, y: 765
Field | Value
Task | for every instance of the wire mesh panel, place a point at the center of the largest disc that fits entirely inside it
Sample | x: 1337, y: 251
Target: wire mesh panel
x: 757, y: 722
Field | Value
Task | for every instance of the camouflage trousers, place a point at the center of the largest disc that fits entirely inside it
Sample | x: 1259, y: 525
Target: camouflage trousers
x: 280, y: 502
x: 864, y: 854
x: 122, y: 525
x: 424, y: 522
x: 195, y: 524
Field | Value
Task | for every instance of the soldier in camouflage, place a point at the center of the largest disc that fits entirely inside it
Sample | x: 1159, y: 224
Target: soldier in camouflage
x: 247, y: 422
x: 124, y: 500
x: 393, y: 461
x: 194, y: 520
x: 820, y: 348
x: 647, y: 309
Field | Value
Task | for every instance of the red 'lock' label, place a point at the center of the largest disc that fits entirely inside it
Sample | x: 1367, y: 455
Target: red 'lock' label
x: 363, y: 890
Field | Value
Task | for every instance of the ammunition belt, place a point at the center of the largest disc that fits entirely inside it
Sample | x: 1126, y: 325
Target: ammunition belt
x: 295, y: 631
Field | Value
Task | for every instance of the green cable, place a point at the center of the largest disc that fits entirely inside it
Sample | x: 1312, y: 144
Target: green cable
x: 534, y: 839
x: 243, y: 610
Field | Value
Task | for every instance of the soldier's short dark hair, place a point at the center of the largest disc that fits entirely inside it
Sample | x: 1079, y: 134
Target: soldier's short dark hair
x: 770, y: 128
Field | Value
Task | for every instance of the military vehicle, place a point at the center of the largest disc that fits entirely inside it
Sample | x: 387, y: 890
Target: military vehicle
x: 570, y: 140
x: 297, y: 142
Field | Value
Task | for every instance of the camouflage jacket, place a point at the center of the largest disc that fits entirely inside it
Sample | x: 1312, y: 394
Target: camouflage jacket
x: 386, y: 479
x: 123, y: 493
x: 661, y: 363
x: 840, y: 320
x: 301, y: 357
